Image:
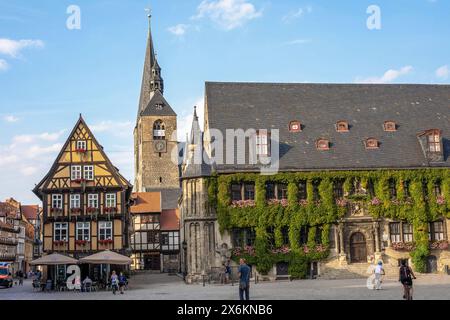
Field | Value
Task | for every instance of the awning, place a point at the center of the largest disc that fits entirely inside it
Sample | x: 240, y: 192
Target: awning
x: 54, y: 259
x: 107, y: 257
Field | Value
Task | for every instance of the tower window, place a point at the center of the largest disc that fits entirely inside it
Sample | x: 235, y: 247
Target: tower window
x: 160, y: 180
x: 159, y: 130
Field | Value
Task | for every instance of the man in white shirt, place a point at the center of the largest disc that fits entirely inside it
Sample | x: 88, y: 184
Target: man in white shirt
x: 379, y: 272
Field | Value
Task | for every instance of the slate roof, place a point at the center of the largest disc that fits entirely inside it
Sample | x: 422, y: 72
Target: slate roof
x: 151, y: 110
x: 415, y: 108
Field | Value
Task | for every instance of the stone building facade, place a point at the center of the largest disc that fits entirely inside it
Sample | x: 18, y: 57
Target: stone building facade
x: 395, y: 137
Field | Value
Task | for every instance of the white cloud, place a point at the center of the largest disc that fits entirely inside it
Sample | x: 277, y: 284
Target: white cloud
x: 30, y: 138
x: 297, y: 41
x: 388, y: 77
x: 28, y: 171
x: 179, y: 30
x: 185, y: 121
x: 3, y: 65
x: 11, y: 118
x: 116, y: 128
x: 443, y: 72
x: 296, y: 14
x: 13, y: 48
x: 228, y: 14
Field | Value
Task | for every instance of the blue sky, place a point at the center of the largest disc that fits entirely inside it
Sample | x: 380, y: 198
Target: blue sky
x: 50, y: 74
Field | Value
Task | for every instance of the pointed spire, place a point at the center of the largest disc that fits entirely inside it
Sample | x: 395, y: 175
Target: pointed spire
x: 151, y: 78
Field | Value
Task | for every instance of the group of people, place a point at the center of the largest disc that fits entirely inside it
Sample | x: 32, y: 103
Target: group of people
x: 406, y: 276
x: 118, y: 282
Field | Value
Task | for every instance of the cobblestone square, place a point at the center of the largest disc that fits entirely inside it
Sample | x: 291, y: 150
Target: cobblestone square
x: 164, y: 287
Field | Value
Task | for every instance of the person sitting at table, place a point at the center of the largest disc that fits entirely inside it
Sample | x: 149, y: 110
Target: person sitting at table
x: 87, y: 282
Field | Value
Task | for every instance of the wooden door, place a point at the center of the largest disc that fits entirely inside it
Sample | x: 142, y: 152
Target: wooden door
x: 358, y: 248
x: 152, y: 262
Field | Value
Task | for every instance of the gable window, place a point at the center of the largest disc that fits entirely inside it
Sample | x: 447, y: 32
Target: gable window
x: 75, y: 202
x: 285, y: 234
x: 338, y: 189
x: 392, y: 189
x: 390, y: 126
x: 89, y: 173
x: 282, y: 190
x: 93, y: 200
x: 270, y: 191
x: 75, y: 173
x: 57, y: 201
x: 302, y: 195
x: 394, y: 231
x: 83, y: 231
x: 406, y: 188
x: 295, y: 126
x: 81, y: 145
x: 371, y: 143
x: 249, y: 191
x: 323, y: 144
x: 236, y: 192
x: 105, y: 230
x: 436, y: 231
x: 434, y: 141
x: 437, y: 191
x: 111, y: 200
x: 159, y: 130
x: 342, y: 126
x: 60, y: 231
x: 262, y: 143
x: 407, y: 232
x: 304, y: 230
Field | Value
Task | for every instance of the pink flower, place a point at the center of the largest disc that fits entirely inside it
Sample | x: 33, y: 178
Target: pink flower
x: 341, y: 202
x: 440, y: 200
x: 375, y: 202
x: 243, y: 203
x: 303, y: 202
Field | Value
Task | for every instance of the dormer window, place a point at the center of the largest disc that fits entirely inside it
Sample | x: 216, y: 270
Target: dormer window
x: 159, y: 130
x: 323, y: 144
x: 342, y: 126
x: 390, y: 126
x: 295, y: 126
x: 159, y: 106
x: 434, y: 141
x: 372, y: 143
x: 262, y: 143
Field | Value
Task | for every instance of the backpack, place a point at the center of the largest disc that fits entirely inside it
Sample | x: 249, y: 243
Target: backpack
x: 405, y: 274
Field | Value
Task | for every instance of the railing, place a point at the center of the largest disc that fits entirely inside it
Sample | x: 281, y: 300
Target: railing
x: 7, y: 256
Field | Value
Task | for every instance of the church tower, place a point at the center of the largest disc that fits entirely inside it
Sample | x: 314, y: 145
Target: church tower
x: 154, y: 141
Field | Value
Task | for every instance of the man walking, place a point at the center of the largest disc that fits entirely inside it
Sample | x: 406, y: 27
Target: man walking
x: 406, y: 279
x: 379, y: 272
x: 244, y: 280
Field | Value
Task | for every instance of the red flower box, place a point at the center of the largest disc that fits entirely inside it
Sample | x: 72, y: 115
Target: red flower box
x: 91, y: 210
x: 75, y: 210
x: 81, y: 150
x: 108, y: 241
x: 81, y: 242
x: 59, y: 243
x: 110, y: 210
x: 79, y: 181
x: 56, y: 210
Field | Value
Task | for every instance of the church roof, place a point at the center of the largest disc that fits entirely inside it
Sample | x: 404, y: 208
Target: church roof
x: 153, y: 107
x: 318, y: 107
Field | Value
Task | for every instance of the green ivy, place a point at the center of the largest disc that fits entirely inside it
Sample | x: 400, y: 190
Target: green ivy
x: 419, y: 209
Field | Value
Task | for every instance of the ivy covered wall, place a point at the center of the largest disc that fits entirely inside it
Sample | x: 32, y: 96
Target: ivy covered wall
x: 419, y: 207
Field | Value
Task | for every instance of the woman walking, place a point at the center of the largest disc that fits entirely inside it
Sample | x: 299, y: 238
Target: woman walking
x: 406, y: 278
x: 114, y: 282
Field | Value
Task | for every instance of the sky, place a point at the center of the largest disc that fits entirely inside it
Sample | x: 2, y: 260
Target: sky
x: 62, y: 58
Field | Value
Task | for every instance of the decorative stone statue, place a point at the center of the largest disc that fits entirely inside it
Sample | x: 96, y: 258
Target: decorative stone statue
x: 225, y: 253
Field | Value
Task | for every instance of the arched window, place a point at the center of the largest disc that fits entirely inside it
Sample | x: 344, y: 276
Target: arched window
x: 323, y: 144
x: 372, y: 143
x: 342, y: 126
x: 159, y: 130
